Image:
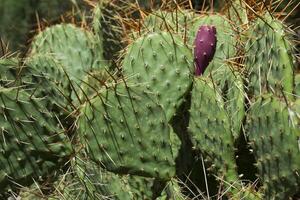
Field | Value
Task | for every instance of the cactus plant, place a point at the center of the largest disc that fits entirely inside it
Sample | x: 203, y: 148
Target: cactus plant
x: 40, y: 77
x: 108, y: 29
x: 113, y: 127
x: 269, y: 61
x: 273, y: 130
x: 70, y: 46
x: 210, y: 132
x: 32, y: 145
x: 156, y: 61
x: 142, y: 125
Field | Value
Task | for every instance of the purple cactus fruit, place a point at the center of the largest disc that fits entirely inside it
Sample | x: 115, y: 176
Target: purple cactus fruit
x: 205, y: 47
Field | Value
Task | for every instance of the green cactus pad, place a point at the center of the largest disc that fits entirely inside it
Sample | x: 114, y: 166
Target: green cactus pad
x: 108, y: 28
x: 51, y: 69
x: 273, y: 130
x: 32, y: 144
x: 101, y: 183
x: 230, y: 84
x: 113, y: 127
x: 269, y: 59
x: 163, y: 65
x: 48, y: 80
x: 39, y: 80
x: 210, y: 129
x: 297, y: 85
x: 176, y: 22
x: 74, y: 48
x: 9, y: 72
x: 67, y: 187
x: 237, y: 13
x: 172, y: 191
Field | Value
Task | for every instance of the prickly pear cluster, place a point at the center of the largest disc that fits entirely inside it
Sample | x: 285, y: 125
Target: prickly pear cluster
x: 160, y: 103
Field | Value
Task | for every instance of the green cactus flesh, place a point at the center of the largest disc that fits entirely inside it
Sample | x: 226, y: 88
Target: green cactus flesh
x: 273, y: 130
x: 67, y: 187
x: 108, y: 28
x: 269, y: 61
x: 72, y: 47
x: 230, y: 84
x: 297, y: 86
x: 113, y: 126
x: 163, y: 65
x: 176, y: 22
x: 9, y: 73
x: 99, y: 182
x: 32, y: 144
x: 49, y: 80
x: 39, y: 80
x: 102, y: 183
x: 210, y: 129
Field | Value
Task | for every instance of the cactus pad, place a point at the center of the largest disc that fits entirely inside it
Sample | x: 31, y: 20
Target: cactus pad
x: 269, y: 59
x: 163, y: 65
x: 210, y: 129
x: 113, y: 127
x: 32, y: 144
x: 72, y: 47
x: 273, y: 130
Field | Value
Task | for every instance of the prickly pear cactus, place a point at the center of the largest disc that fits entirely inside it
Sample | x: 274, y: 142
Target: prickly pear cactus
x: 108, y: 28
x: 297, y: 85
x: 147, y: 128
x: 269, y: 59
x: 177, y: 22
x: 273, y: 130
x: 41, y: 78
x: 210, y: 130
x: 229, y: 82
x: 72, y: 47
x: 99, y: 182
x: 32, y: 144
x: 48, y: 79
x: 9, y: 72
x: 156, y: 62
x: 113, y: 127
